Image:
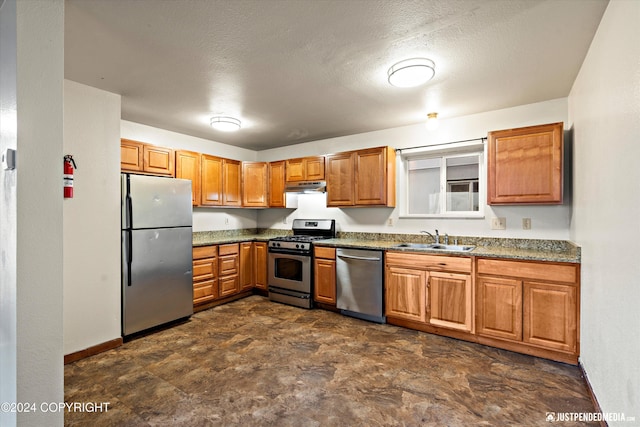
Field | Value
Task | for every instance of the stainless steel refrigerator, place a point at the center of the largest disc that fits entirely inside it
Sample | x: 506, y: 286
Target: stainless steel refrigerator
x: 157, y: 276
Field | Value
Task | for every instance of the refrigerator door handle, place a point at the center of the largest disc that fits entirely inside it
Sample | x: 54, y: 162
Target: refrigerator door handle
x: 129, y: 211
x: 129, y: 256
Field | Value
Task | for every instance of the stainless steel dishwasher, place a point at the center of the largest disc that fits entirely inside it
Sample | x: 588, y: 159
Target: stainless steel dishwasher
x: 359, y: 284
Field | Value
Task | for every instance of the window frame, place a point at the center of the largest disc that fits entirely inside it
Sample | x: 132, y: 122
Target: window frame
x: 443, y: 151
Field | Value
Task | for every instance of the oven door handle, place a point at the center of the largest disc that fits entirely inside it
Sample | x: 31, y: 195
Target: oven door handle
x: 359, y: 258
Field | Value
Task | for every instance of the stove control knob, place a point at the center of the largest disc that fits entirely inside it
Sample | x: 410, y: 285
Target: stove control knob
x: 297, y: 246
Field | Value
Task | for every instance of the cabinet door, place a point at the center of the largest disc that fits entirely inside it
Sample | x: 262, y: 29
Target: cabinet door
x: 158, y: 160
x: 451, y: 304
x: 370, y: 173
x: 276, y: 184
x: 325, y: 281
x: 340, y: 177
x: 188, y: 167
x: 314, y: 168
x: 525, y: 165
x: 406, y: 293
x: 295, y: 170
x: 260, y: 265
x: 211, y: 181
x: 131, y: 154
x: 255, y: 184
x: 499, y: 308
x: 246, y: 266
x: 550, y: 315
x: 232, y: 182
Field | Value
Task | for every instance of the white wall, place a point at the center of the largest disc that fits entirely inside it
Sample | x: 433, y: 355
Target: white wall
x: 31, y: 100
x: 92, y: 218
x: 604, y: 107
x: 204, y: 219
x: 548, y: 222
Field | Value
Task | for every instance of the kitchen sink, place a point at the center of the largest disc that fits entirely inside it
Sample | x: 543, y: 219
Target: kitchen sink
x: 436, y: 246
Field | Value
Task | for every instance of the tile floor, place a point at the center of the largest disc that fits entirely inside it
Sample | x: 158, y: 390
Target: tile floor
x: 257, y: 363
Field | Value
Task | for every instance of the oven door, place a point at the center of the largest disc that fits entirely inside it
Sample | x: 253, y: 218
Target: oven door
x: 288, y: 271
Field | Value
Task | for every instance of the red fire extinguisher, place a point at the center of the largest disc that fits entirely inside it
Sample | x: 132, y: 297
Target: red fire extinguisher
x: 67, y: 177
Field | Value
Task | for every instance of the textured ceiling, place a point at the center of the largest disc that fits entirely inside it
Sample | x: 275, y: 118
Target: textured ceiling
x: 301, y: 70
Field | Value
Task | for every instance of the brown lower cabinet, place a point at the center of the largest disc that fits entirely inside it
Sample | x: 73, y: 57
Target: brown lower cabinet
x: 228, y: 264
x: 431, y: 290
x: 324, y: 290
x: 524, y: 306
x: 529, y: 303
x: 205, y: 274
x: 260, y: 265
x: 221, y: 272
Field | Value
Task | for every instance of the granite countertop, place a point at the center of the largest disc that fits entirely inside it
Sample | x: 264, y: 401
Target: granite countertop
x: 207, y: 238
x: 518, y: 249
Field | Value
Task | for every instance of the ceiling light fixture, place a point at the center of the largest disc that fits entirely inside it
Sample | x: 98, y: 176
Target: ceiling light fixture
x: 225, y: 124
x: 411, y: 72
x: 432, y: 121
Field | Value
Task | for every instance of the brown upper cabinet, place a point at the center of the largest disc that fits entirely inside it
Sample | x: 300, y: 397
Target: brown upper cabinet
x: 255, y: 184
x: 277, y: 198
x: 211, y: 183
x: 362, y: 178
x: 131, y: 155
x: 305, y: 169
x: 136, y: 156
x: 188, y: 167
x: 231, y: 182
x: 525, y: 165
x: 221, y: 181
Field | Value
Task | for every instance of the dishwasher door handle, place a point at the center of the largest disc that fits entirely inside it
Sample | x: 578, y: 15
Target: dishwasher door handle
x: 360, y: 258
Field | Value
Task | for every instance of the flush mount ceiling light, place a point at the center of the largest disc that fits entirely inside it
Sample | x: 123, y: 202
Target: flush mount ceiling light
x: 225, y: 124
x: 411, y: 72
x: 432, y: 121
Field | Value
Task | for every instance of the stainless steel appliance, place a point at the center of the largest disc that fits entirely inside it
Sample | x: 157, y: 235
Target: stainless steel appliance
x: 290, y: 267
x: 359, y: 291
x: 157, y: 245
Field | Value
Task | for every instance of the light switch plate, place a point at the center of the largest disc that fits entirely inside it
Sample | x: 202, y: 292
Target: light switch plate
x: 526, y: 223
x: 9, y: 159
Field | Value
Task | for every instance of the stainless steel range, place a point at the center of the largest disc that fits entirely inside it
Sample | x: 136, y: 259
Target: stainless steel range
x: 290, y: 261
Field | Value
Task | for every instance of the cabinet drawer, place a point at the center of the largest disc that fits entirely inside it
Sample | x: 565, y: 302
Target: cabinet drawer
x: 229, y: 285
x: 204, y: 252
x: 204, y: 269
x: 229, y: 249
x: 430, y: 262
x: 228, y: 264
x: 205, y: 291
x: 567, y: 273
x: 327, y: 253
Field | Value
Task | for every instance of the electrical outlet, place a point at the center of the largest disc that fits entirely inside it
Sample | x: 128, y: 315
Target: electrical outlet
x: 226, y: 221
x: 284, y: 219
x: 499, y: 223
x: 526, y: 223
x: 390, y: 222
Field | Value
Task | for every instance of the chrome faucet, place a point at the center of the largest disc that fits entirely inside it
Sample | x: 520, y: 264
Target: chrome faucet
x: 436, y: 238
x: 446, y: 239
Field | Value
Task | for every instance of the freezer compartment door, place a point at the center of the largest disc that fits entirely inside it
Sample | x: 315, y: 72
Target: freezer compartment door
x: 155, y: 202
x: 157, y: 283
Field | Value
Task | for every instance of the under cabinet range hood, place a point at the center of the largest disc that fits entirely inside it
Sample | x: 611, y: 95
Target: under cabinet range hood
x: 306, y: 187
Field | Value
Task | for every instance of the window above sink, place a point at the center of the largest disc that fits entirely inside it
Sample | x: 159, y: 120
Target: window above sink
x: 443, y: 181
